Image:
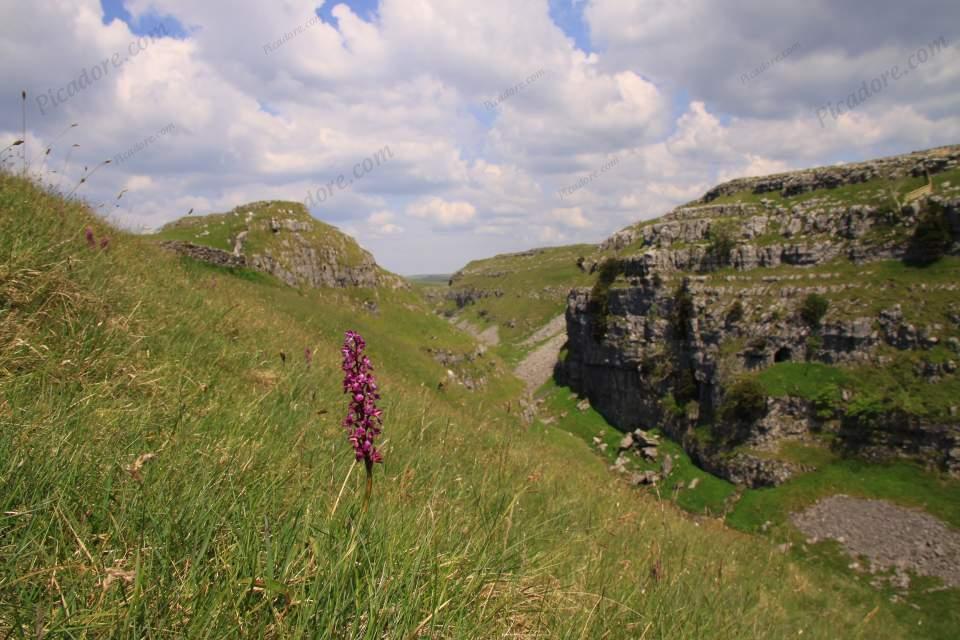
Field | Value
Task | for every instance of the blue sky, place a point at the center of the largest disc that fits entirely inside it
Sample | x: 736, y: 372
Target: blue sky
x: 143, y: 24
x: 654, y: 83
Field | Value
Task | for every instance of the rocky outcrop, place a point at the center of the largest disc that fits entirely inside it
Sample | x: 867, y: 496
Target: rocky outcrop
x: 796, y: 182
x: 749, y: 471
x: 662, y: 346
x: 298, y: 263
x: 896, y: 433
x: 205, y: 254
x: 806, y: 234
x: 470, y: 295
x: 283, y: 240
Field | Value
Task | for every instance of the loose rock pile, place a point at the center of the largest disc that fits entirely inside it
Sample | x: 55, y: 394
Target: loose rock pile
x: 889, y: 536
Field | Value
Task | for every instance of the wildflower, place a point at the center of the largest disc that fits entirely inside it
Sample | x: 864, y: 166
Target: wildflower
x: 104, y: 243
x: 364, y: 419
x: 308, y: 356
x: 91, y: 239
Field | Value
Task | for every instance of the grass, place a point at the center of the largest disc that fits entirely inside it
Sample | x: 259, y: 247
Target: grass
x: 534, y: 287
x: 708, y: 498
x: 903, y: 483
x: 430, y: 279
x: 932, y: 612
x: 801, y: 379
x: 247, y: 520
x: 750, y: 509
x: 875, y: 191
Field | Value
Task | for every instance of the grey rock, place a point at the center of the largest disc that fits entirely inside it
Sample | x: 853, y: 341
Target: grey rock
x: 667, y: 465
x: 645, y: 478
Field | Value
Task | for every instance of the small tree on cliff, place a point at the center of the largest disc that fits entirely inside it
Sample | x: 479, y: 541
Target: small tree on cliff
x: 813, y: 309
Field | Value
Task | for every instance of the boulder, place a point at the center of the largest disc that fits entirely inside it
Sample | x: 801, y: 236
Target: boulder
x: 644, y: 478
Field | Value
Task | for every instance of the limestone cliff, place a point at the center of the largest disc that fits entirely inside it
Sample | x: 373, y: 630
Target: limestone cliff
x: 822, y: 303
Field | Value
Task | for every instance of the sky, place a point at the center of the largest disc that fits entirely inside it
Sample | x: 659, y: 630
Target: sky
x: 462, y: 129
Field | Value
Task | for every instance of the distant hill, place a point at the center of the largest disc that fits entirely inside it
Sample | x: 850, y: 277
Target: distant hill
x: 518, y: 293
x: 279, y: 238
x: 429, y: 278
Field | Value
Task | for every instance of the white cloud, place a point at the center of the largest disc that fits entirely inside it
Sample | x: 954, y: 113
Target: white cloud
x: 381, y: 223
x: 443, y: 213
x: 139, y: 183
x: 663, y: 93
x: 571, y: 217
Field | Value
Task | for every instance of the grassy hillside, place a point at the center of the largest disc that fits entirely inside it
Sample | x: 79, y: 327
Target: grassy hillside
x: 518, y: 292
x: 246, y: 520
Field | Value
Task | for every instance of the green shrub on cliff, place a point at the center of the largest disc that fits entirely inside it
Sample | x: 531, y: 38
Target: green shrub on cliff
x: 722, y: 242
x: 599, y: 307
x: 746, y: 401
x: 813, y: 309
x: 735, y: 314
x: 931, y: 239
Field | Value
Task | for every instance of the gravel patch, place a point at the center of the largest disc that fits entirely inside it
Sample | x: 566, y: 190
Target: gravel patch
x: 537, y: 367
x: 890, y: 536
x: 489, y: 336
x: 549, y: 330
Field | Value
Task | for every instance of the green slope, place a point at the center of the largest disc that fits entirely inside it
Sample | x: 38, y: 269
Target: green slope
x: 247, y: 520
x: 519, y: 292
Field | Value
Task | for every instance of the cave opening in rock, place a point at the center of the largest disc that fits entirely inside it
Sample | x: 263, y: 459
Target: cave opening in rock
x: 784, y: 354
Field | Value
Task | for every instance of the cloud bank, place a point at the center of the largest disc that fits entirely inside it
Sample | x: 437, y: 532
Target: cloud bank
x: 270, y: 101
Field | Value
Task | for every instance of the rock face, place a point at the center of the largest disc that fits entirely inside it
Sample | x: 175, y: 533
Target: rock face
x: 297, y: 262
x: 283, y: 240
x: 663, y: 345
x: 205, y: 254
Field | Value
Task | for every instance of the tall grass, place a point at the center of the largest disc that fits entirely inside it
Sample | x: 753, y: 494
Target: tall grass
x: 246, y: 521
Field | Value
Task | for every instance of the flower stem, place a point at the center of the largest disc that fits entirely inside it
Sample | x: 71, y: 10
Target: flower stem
x: 366, y: 495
